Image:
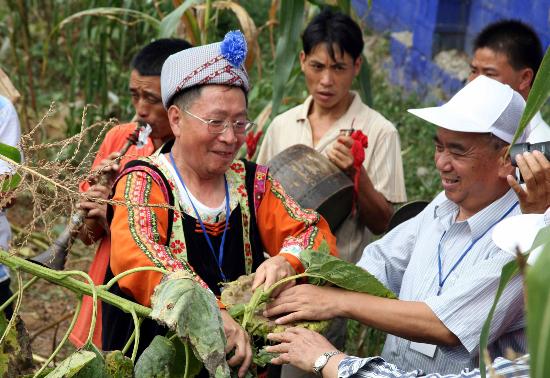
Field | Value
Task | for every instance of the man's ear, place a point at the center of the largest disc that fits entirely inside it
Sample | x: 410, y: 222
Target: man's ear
x: 174, y: 117
x: 526, y: 80
x: 505, y: 164
x: 302, y: 60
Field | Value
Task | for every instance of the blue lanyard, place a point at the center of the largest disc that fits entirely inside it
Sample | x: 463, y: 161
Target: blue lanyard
x: 457, y: 263
x: 219, y: 257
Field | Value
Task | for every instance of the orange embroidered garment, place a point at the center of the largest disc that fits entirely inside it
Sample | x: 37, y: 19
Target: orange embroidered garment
x: 114, y: 141
x: 277, y: 223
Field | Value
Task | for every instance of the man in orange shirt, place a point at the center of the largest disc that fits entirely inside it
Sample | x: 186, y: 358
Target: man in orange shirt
x: 146, y: 97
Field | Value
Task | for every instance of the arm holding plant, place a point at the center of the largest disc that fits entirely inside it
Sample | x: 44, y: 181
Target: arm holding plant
x: 407, y: 319
x: 286, y: 229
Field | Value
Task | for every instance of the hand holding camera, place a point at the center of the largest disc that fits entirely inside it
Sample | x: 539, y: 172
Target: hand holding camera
x: 533, y: 164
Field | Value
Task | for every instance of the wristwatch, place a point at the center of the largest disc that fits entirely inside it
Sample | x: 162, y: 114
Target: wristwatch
x: 322, y: 361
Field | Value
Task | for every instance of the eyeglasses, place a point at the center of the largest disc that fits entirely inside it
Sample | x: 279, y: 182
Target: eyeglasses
x: 218, y: 126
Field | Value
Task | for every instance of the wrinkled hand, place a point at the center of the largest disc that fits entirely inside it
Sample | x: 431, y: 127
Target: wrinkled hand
x: 272, y: 270
x: 95, y: 209
x: 299, y: 347
x: 303, y: 302
x: 108, y: 168
x: 535, y: 170
x: 237, y: 341
x: 340, y: 154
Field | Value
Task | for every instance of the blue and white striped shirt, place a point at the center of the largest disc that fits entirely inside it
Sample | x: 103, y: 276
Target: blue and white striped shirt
x: 376, y: 367
x: 406, y: 261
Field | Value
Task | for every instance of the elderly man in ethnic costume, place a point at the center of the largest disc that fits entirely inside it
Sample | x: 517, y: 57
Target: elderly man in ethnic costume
x: 228, y: 211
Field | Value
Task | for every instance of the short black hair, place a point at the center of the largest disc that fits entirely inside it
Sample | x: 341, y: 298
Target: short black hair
x: 333, y: 28
x: 149, y: 60
x: 518, y: 41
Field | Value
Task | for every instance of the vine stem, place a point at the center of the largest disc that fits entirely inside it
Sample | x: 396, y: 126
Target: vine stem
x: 113, y: 280
x: 76, y: 286
x: 186, y: 345
x: 16, y: 295
x: 137, y: 324
x: 65, y: 337
x: 16, y: 308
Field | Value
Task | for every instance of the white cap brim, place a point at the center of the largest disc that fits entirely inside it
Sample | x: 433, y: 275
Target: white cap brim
x: 519, y: 232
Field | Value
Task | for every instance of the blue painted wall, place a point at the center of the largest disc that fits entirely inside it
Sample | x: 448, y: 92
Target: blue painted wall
x: 442, y: 24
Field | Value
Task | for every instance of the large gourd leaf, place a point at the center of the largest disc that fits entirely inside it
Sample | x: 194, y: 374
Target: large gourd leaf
x: 73, y: 364
x: 117, y: 365
x: 190, y: 310
x: 538, y: 314
x: 539, y: 93
x: 323, y: 267
x: 156, y: 360
x: 291, y: 19
x: 14, y: 154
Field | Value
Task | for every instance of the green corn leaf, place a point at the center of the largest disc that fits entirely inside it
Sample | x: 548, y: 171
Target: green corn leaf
x: 540, y: 91
x: 509, y: 271
x: 170, y: 23
x: 340, y: 273
x: 291, y: 21
x: 192, y: 312
x: 364, y: 81
x: 538, y: 314
x: 73, y: 364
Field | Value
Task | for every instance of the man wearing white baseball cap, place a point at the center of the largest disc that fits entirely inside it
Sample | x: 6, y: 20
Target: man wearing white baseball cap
x: 442, y: 264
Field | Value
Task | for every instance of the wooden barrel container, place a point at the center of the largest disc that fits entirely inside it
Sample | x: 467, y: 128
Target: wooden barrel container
x: 314, y: 182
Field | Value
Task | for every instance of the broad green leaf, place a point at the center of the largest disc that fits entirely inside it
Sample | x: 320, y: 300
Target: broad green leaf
x: 348, y: 276
x: 182, y: 362
x: 156, y: 360
x: 291, y: 19
x: 118, y: 365
x: 539, y: 93
x: 170, y: 23
x: 96, y: 367
x: 192, y: 312
x: 538, y: 314
x: 12, y: 153
x: 72, y: 364
x: 324, y: 248
x: 509, y: 271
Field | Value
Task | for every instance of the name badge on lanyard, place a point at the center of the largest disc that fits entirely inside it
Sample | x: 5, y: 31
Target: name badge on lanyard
x: 425, y: 349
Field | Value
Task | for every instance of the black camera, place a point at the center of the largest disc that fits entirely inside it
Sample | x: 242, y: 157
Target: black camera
x: 520, y: 148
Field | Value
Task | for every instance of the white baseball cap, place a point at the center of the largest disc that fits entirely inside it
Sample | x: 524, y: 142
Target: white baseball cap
x: 484, y: 105
x: 519, y: 232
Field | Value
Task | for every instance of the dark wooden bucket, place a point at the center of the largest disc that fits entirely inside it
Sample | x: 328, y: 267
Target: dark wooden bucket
x: 314, y: 182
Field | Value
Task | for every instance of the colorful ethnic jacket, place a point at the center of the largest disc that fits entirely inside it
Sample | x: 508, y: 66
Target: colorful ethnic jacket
x: 165, y: 233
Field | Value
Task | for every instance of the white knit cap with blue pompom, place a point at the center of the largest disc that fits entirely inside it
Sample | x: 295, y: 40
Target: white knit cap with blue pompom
x: 216, y: 63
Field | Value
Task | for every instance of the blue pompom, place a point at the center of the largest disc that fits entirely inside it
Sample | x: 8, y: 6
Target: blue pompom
x: 233, y: 48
